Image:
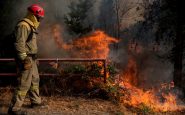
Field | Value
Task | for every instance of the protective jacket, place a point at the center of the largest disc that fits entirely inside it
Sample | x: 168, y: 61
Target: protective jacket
x: 26, y: 43
x: 28, y: 78
x: 25, y: 48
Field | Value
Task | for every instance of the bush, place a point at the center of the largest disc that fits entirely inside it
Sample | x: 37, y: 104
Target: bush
x: 82, y: 79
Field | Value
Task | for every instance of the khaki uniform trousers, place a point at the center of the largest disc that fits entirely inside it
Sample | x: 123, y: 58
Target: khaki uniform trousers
x: 28, y: 82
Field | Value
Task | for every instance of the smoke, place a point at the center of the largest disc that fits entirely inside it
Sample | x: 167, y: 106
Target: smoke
x: 54, y: 16
x: 54, y: 12
x: 151, y: 69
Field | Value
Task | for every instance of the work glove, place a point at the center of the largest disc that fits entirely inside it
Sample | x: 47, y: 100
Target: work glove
x: 27, y: 64
x: 34, y: 57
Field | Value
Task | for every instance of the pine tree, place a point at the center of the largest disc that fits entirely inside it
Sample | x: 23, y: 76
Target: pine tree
x: 76, y: 20
x: 169, y: 17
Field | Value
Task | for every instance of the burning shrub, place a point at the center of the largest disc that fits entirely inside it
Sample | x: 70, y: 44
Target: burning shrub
x: 134, y: 85
x: 77, y: 79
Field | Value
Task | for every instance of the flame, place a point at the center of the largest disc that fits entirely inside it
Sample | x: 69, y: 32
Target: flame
x: 56, y: 31
x: 96, y: 45
x: 130, y: 73
x: 158, y: 101
x: 93, y: 45
x: 136, y: 97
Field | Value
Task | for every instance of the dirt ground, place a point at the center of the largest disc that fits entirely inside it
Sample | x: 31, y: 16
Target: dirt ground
x: 62, y: 105
x: 66, y: 105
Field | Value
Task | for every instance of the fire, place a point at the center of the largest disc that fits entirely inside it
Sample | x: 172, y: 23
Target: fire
x: 136, y: 96
x: 96, y: 45
x: 93, y: 45
x: 56, y: 30
x: 161, y: 100
x: 130, y: 73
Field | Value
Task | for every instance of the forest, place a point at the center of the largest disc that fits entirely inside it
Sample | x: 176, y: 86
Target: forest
x: 127, y: 56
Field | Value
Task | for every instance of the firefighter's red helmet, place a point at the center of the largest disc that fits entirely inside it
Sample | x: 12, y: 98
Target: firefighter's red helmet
x: 37, y: 10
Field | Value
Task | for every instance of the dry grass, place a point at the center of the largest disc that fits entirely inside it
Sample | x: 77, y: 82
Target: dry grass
x: 67, y: 105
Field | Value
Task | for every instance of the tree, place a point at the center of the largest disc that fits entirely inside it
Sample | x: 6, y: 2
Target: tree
x: 122, y: 8
x: 167, y: 17
x: 106, y: 17
x: 76, y: 20
x: 171, y: 25
x: 114, y: 12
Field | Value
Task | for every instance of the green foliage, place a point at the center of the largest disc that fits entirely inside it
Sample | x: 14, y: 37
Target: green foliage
x: 82, y: 78
x: 145, y: 109
x: 113, y: 89
x: 76, y: 19
x: 94, y: 70
x: 112, y: 71
x: 75, y: 69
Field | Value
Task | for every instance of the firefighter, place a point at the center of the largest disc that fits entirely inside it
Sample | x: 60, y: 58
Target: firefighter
x: 26, y: 51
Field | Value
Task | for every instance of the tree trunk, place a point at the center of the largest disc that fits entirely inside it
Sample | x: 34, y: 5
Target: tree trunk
x: 178, y: 49
x: 178, y: 58
x: 117, y: 8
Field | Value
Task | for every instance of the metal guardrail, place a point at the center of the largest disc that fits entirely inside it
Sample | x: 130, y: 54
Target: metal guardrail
x: 57, y: 60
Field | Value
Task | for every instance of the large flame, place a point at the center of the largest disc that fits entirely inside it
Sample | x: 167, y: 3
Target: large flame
x: 160, y: 100
x: 94, y: 45
x: 136, y: 97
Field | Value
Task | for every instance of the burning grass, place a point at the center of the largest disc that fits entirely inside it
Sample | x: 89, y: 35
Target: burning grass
x: 160, y: 99
x: 87, y: 80
x: 121, y: 87
x: 139, y: 98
